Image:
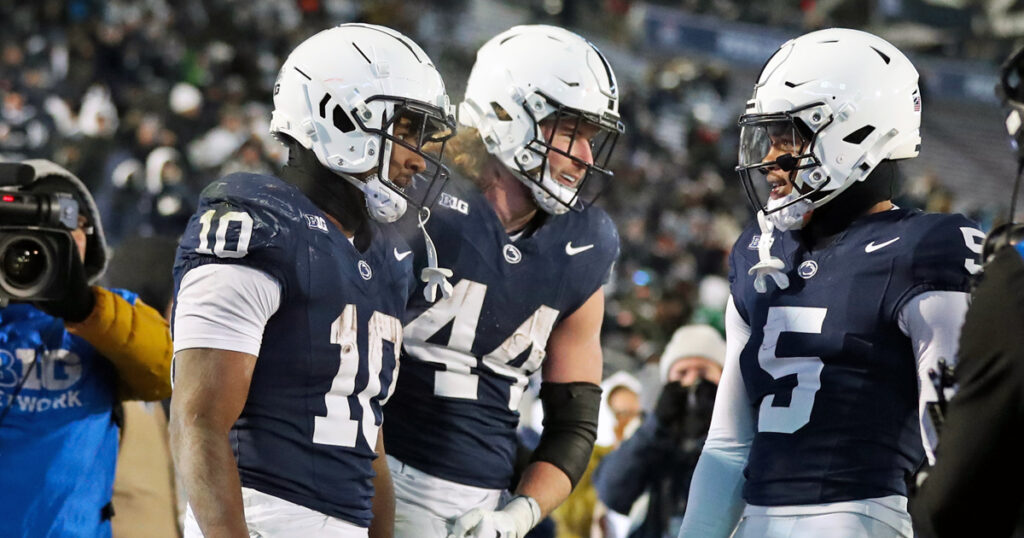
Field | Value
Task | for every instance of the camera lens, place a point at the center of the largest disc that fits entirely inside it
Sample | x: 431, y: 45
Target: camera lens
x: 23, y: 262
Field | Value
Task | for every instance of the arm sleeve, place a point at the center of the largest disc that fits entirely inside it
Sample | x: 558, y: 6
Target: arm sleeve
x: 715, y: 501
x: 932, y: 321
x: 224, y: 307
x: 135, y: 338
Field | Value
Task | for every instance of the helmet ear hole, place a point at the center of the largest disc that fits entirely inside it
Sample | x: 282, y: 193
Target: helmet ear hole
x: 342, y: 121
x: 500, y: 112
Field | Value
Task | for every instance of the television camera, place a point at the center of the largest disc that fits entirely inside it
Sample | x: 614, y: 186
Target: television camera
x: 36, y: 246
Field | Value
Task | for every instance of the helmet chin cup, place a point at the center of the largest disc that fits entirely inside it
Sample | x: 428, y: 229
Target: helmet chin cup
x: 549, y: 195
x: 547, y: 202
x: 383, y: 204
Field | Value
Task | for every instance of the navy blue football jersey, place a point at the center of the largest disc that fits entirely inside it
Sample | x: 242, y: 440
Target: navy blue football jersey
x: 328, y: 359
x: 467, y: 358
x: 831, y: 378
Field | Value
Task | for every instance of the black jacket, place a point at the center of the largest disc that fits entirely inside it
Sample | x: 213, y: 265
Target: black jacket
x: 977, y: 485
x: 659, y: 460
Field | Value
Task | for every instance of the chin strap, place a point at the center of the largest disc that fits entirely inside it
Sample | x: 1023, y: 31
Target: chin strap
x: 768, y: 265
x: 435, y: 277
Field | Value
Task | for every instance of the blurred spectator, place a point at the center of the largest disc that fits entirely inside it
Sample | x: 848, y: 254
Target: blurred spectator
x: 712, y: 296
x: 24, y: 132
x: 97, y: 124
x: 658, y: 461
x: 186, y: 107
x: 212, y: 149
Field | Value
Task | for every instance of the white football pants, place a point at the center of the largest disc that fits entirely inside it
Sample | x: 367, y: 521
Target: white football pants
x: 272, y: 517
x: 886, y: 517
x: 425, y: 505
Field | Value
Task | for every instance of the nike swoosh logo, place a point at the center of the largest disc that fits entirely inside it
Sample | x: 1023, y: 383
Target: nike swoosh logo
x: 871, y: 247
x: 572, y: 251
x: 401, y: 256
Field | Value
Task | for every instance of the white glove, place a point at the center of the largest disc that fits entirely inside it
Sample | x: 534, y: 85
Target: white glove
x: 516, y: 519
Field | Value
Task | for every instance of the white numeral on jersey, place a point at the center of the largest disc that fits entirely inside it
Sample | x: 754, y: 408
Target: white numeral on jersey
x: 533, y: 332
x: 795, y: 319
x: 337, y: 427
x: 974, y: 239
x: 462, y: 310
x: 204, y: 232
x: 220, y: 240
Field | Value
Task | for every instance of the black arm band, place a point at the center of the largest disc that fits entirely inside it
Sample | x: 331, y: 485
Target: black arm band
x: 570, y: 426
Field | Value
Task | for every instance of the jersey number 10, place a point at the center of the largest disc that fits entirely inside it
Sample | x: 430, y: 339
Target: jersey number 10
x: 338, y: 427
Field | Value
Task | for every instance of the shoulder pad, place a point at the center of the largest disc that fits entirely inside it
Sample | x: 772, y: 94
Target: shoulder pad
x: 942, y: 254
x: 252, y: 220
x: 605, y: 233
x: 947, y: 249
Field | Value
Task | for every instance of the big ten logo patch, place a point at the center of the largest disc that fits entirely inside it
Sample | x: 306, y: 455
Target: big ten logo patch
x: 452, y: 202
x: 316, y: 222
x: 55, y: 371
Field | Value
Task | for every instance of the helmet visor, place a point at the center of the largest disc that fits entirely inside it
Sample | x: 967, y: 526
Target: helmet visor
x: 772, y: 146
x: 764, y: 139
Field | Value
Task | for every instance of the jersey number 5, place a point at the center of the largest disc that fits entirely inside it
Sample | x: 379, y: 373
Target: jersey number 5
x: 793, y: 319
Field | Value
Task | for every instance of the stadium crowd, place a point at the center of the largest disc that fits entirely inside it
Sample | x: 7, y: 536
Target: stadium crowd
x: 147, y: 104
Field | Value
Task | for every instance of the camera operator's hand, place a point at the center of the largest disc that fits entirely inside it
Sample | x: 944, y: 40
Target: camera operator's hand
x: 670, y: 408
x: 79, y: 301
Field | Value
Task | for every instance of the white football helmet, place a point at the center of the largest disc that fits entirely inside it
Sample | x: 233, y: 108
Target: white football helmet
x: 533, y: 73
x: 340, y: 94
x: 848, y: 98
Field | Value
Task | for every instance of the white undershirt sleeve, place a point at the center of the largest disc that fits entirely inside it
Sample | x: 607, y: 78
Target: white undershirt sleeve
x: 715, y: 501
x: 932, y: 321
x: 224, y: 306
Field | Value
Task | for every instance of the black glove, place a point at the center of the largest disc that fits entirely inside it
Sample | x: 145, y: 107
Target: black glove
x: 670, y: 408
x: 78, y: 302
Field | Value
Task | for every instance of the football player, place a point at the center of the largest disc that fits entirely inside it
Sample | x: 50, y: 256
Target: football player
x: 290, y: 297
x: 529, y: 258
x: 840, y: 304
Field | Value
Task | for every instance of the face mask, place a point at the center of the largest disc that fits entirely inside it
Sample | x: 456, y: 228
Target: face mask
x: 791, y: 217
